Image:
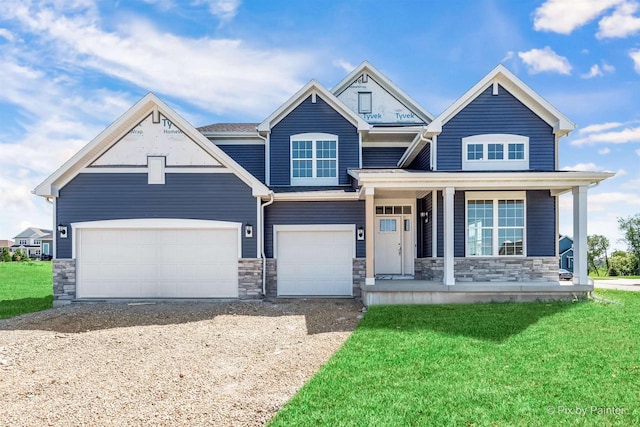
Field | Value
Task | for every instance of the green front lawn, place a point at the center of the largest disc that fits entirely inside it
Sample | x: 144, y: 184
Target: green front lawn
x: 515, y: 364
x: 25, y: 287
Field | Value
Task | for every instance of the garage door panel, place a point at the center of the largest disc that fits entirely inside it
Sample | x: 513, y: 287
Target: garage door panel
x: 158, y: 263
x: 315, y: 262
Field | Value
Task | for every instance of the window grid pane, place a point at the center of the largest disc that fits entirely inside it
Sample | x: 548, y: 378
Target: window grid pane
x: 474, y: 151
x: 516, y: 151
x: 479, y: 226
x: 495, y: 152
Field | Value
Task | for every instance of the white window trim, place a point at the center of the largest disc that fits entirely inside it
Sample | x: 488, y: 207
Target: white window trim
x: 495, y: 138
x: 313, y: 180
x: 156, y: 168
x: 495, y: 196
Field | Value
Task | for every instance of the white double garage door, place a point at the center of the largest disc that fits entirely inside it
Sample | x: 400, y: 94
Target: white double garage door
x: 160, y: 258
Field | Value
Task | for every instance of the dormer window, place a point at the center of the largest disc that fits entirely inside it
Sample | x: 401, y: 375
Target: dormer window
x: 364, y: 102
x: 314, y: 159
x: 495, y: 152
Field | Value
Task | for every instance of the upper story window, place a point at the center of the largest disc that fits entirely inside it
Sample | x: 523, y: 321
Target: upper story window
x: 23, y: 242
x: 495, y: 152
x: 364, y: 102
x: 36, y: 242
x: 314, y: 159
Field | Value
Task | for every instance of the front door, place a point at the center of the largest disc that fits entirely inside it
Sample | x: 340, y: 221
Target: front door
x: 388, y: 254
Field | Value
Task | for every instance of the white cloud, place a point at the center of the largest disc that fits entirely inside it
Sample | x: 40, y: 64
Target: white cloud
x: 634, y: 54
x: 621, y: 23
x: 599, y: 127
x: 545, y: 60
x: 603, y: 151
x: 608, y: 68
x: 562, y: 16
x: 225, y: 10
x: 6, y: 34
x: 618, y: 137
x: 509, y: 56
x: 638, y: 152
x: 345, y: 65
x: 222, y: 76
x: 584, y: 167
x: 593, y: 72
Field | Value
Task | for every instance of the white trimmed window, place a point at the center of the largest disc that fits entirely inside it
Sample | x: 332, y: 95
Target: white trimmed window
x: 495, y: 152
x: 314, y: 159
x: 496, y: 224
x: 23, y: 242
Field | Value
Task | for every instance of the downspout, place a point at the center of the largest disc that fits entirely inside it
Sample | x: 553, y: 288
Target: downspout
x: 264, y: 258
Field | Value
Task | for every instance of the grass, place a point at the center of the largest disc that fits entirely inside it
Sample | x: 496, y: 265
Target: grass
x: 25, y: 287
x: 514, y: 364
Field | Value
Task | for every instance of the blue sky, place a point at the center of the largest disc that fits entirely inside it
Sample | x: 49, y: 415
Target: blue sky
x: 69, y: 68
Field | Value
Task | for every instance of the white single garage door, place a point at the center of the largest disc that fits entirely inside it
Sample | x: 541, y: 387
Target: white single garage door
x: 315, y: 260
x: 147, y: 262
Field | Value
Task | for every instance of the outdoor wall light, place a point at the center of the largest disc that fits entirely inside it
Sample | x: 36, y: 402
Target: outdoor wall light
x: 360, y: 233
x: 425, y: 215
x: 248, y: 230
x: 62, y: 231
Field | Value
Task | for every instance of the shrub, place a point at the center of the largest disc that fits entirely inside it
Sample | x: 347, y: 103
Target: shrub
x: 5, y: 256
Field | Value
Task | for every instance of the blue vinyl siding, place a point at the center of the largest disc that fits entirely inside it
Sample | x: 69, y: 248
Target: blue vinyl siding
x: 250, y: 157
x: 381, y: 157
x: 294, y: 213
x: 541, y: 223
x: 502, y: 113
x: 422, y: 160
x: 99, y: 196
x: 309, y: 117
x: 427, y: 229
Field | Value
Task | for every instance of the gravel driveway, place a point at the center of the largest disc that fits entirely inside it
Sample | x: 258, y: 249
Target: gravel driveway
x: 181, y: 363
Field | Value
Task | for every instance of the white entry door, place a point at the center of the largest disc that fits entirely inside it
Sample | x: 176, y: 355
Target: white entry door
x: 388, y: 253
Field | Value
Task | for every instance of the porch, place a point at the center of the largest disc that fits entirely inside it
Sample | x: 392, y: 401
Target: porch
x: 408, y: 291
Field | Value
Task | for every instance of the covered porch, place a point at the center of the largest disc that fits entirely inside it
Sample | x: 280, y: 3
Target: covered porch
x: 452, y: 270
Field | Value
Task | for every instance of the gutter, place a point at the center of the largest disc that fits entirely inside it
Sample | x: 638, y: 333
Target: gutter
x: 419, y: 142
x: 262, y: 255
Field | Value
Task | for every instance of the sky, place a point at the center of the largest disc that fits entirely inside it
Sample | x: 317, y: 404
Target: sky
x: 68, y: 68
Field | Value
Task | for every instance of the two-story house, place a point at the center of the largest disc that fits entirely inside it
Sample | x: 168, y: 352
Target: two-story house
x: 35, y: 242
x: 338, y: 192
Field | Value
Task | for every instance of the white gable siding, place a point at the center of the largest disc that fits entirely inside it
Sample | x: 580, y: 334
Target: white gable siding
x: 385, y: 108
x: 156, y: 139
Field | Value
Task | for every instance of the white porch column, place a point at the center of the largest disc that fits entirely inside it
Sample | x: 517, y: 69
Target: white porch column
x: 370, y: 276
x: 449, y: 277
x: 580, y: 276
x: 434, y: 224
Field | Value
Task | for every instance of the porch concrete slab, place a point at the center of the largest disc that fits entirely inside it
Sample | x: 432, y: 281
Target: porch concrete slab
x: 465, y: 287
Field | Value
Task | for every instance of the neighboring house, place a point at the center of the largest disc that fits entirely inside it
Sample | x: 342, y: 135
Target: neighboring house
x: 333, y: 194
x: 6, y: 244
x: 565, y: 251
x: 34, y: 241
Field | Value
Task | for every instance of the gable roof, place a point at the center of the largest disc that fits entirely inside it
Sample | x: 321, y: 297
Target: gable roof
x: 149, y: 104
x: 32, y: 232
x: 500, y: 75
x: 312, y: 88
x: 388, y: 85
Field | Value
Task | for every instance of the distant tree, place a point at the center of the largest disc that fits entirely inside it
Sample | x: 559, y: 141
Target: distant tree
x: 630, y: 228
x: 623, y: 263
x: 6, y: 255
x: 597, y: 247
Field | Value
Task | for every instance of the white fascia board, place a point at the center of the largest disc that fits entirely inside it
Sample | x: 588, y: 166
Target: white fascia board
x: 149, y: 104
x: 316, y: 196
x: 500, y: 74
x: 388, y: 85
x: 385, y: 130
x: 160, y: 223
x: 310, y: 88
x: 490, y: 180
x: 414, y: 148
